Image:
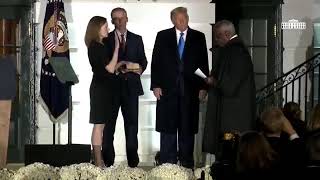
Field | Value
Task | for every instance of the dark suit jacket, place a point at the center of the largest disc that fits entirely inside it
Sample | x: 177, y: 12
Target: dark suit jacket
x: 165, y: 71
x: 134, y: 53
x: 7, y: 78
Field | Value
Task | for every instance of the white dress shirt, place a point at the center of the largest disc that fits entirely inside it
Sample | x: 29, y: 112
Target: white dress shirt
x: 184, y: 35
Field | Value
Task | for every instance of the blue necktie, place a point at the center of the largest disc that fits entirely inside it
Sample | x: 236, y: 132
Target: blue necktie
x: 181, y: 45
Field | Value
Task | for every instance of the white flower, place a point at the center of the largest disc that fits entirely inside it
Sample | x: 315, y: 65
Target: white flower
x: 132, y: 173
x: 122, y: 172
x: 81, y: 171
x: 37, y: 171
x: 6, y: 174
x: 170, y: 172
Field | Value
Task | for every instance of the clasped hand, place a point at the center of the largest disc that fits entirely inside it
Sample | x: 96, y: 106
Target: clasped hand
x: 126, y: 66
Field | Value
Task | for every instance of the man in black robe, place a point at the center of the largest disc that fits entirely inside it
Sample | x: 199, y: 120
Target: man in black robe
x: 231, y: 97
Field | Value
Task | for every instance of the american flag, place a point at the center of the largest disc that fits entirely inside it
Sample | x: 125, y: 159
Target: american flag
x: 48, y: 43
x: 54, y: 94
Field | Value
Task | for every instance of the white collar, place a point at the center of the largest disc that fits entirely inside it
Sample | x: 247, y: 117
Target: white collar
x: 178, y: 32
x: 119, y: 33
x: 234, y: 36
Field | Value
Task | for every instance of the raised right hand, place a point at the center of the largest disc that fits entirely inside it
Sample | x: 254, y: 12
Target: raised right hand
x: 157, y: 92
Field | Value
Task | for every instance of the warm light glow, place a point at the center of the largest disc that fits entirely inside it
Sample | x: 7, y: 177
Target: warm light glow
x: 145, y: 19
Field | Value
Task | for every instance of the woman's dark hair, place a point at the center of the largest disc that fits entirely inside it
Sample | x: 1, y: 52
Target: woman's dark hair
x: 292, y: 111
x: 254, y: 152
x: 93, y: 29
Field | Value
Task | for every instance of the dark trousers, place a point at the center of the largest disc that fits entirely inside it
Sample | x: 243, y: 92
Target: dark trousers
x: 169, y: 152
x: 180, y: 145
x: 129, y: 109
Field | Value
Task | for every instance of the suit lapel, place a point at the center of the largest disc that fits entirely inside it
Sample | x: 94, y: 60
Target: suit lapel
x: 173, y: 43
x: 111, y: 39
x: 128, y: 40
x: 187, y: 43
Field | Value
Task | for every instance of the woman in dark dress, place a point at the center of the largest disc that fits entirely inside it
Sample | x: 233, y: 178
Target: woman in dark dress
x: 7, y: 94
x: 101, y: 109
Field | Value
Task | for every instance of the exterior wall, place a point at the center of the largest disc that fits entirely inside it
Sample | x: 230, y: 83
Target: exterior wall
x: 298, y: 44
x: 146, y: 17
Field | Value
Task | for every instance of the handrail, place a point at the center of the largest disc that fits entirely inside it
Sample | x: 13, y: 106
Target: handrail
x: 287, y: 78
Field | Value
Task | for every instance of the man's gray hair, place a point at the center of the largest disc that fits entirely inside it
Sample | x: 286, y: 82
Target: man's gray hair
x: 178, y: 10
x: 226, y: 26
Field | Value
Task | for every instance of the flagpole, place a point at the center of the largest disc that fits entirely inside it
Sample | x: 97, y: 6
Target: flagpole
x: 69, y: 84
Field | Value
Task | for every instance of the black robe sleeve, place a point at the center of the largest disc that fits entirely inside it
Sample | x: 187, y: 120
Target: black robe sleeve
x: 235, y: 69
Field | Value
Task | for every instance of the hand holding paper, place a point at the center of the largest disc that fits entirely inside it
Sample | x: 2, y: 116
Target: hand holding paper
x: 199, y: 73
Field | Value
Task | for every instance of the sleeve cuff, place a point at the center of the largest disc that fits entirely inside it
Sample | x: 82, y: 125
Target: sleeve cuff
x: 293, y: 136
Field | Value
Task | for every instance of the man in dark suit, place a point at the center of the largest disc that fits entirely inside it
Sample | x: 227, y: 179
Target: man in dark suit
x: 231, y: 96
x: 128, y: 88
x: 178, y: 52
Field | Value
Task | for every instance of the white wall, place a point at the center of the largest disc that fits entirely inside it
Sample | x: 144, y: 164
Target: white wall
x: 146, y: 17
x: 298, y: 43
x: 295, y: 41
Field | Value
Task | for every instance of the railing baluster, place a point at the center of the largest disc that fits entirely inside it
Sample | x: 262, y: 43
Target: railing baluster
x: 292, y: 95
x: 312, y: 88
x: 318, y: 75
x: 299, y: 91
x: 286, y: 94
x: 305, y: 96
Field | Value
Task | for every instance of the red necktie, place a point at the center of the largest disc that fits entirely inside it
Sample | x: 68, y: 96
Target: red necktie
x: 122, y: 42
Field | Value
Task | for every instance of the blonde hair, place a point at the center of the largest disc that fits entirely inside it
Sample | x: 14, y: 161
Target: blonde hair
x: 178, y: 10
x: 272, y: 120
x: 314, y: 122
x: 93, y: 29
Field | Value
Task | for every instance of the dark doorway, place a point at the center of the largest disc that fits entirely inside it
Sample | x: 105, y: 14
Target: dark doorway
x: 16, y: 15
x: 258, y: 23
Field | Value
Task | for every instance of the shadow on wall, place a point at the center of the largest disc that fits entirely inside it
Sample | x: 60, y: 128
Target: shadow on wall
x: 303, y: 51
x: 316, y: 1
x: 312, y: 50
x: 309, y: 53
x: 304, y: 36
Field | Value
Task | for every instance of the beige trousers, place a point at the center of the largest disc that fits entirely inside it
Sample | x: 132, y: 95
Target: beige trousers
x: 5, y: 111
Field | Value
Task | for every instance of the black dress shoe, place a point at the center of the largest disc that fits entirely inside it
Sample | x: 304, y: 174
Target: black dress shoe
x: 133, y: 162
x: 157, y: 159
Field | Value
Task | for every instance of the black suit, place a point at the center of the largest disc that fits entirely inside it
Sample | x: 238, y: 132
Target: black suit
x: 178, y: 107
x: 128, y: 89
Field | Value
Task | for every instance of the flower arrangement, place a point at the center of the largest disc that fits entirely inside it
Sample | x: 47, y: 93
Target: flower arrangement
x: 83, y: 171
x: 37, y: 171
x: 122, y: 172
x: 6, y: 174
x: 86, y: 171
x: 132, y: 174
x: 170, y: 172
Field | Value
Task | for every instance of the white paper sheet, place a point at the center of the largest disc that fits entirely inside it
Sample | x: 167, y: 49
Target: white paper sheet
x: 199, y: 73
